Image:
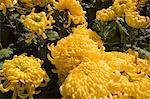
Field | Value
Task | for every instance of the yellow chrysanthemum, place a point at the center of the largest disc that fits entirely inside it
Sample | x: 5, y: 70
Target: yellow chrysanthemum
x: 82, y: 45
x: 105, y: 14
x: 87, y: 81
x: 22, y: 74
x: 75, y: 11
x: 7, y: 4
x: 73, y: 6
x: 120, y: 6
x: 134, y: 20
x: 38, y: 22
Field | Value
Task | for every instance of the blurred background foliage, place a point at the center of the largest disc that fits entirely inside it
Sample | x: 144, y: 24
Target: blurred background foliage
x: 117, y: 35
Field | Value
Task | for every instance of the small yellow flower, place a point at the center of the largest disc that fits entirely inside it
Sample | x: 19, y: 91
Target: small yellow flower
x: 22, y: 74
x: 7, y: 4
x: 75, y: 11
x: 120, y: 6
x: 105, y: 14
x: 38, y: 22
x: 134, y: 20
x: 73, y: 6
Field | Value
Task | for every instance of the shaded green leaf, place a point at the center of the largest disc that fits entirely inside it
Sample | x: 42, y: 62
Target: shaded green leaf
x: 52, y: 35
x: 4, y: 53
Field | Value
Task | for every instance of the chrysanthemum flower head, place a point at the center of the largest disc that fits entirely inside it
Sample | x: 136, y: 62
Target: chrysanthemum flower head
x: 38, y: 22
x: 22, y: 74
x: 105, y: 14
x: 7, y: 4
x: 82, y: 45
x: 74, y: 9
x: 87, y: 81
x: 134, y: 20
x: 120, y: 6
x: 73, y: 6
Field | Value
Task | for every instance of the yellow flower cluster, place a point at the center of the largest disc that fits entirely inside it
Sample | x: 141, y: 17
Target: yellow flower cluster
x: 94, y: 73
x: 127, y: 9
x: 75, y: 11
x: 33, y: 3
x: 116, y: 76
x: 7, y: 4
x: 22, y: 75
x: 82, y: 45
x: 37, y: 23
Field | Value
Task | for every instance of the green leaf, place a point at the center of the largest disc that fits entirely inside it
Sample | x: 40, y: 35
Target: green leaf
x: 52, y: 35
x: 122, y: 29
x: 16, y: 15
x: 4, y: 53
